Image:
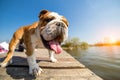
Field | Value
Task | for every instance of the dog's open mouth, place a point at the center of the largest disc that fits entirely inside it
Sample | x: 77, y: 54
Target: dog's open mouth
x: 53, y: 45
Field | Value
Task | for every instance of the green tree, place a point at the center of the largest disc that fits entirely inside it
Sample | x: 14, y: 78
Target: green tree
x: 84, y: 45
x: 75, y: 42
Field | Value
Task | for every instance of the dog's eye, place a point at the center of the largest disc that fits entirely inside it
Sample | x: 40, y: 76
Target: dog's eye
x: 49, y: 19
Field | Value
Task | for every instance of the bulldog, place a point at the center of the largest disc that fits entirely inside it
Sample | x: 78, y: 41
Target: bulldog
x: 49, y: 32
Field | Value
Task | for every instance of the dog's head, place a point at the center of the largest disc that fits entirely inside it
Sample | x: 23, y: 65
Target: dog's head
x: 53, y: 27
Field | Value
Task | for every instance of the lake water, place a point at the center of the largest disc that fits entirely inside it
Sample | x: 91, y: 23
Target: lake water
x: 103, y: 61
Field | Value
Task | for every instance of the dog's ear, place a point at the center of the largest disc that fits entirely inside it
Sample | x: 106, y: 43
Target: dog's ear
x: 43, y: 12
x: 65, y: 20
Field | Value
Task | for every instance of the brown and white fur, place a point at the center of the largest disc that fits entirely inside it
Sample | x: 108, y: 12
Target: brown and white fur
x: 47, y: 27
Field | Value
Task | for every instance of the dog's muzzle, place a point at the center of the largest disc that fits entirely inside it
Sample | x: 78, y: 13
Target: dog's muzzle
x: 55, y: 30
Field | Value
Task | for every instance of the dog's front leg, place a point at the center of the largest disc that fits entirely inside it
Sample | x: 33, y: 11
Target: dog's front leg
x: 34, y: 68
x: 51, y: 55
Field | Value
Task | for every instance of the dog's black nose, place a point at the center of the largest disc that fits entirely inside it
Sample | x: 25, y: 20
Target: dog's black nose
x: 58, y: 24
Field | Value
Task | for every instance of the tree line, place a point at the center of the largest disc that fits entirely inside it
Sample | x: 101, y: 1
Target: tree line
x: 74, y: 43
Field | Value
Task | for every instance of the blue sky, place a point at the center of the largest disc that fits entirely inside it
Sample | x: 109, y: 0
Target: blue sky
x: 90, y: 20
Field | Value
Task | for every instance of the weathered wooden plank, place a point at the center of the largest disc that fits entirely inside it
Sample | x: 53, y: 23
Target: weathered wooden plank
x: 64, y: 60
x: 67, y: 68
x: 48, y: 74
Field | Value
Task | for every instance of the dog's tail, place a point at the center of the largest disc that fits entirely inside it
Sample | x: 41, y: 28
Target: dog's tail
x: 12, y: 45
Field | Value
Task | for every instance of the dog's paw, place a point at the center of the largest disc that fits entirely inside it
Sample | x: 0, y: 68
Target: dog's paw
x: 35, y: 70
x: 54, y: 60
x: 4, y: 64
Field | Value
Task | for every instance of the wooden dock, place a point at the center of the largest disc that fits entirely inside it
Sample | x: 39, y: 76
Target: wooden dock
x: 67, y: 68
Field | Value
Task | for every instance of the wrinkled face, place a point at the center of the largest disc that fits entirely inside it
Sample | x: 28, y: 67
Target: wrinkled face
x: 53, y: 26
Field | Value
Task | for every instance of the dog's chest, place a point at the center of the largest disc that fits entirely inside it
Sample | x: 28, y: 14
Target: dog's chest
x: 36, y: 41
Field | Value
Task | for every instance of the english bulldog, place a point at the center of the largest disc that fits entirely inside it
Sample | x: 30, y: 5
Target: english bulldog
x: 49, y: 32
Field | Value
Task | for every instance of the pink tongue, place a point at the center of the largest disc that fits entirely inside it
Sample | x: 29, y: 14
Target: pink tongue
x: 55, y: 46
